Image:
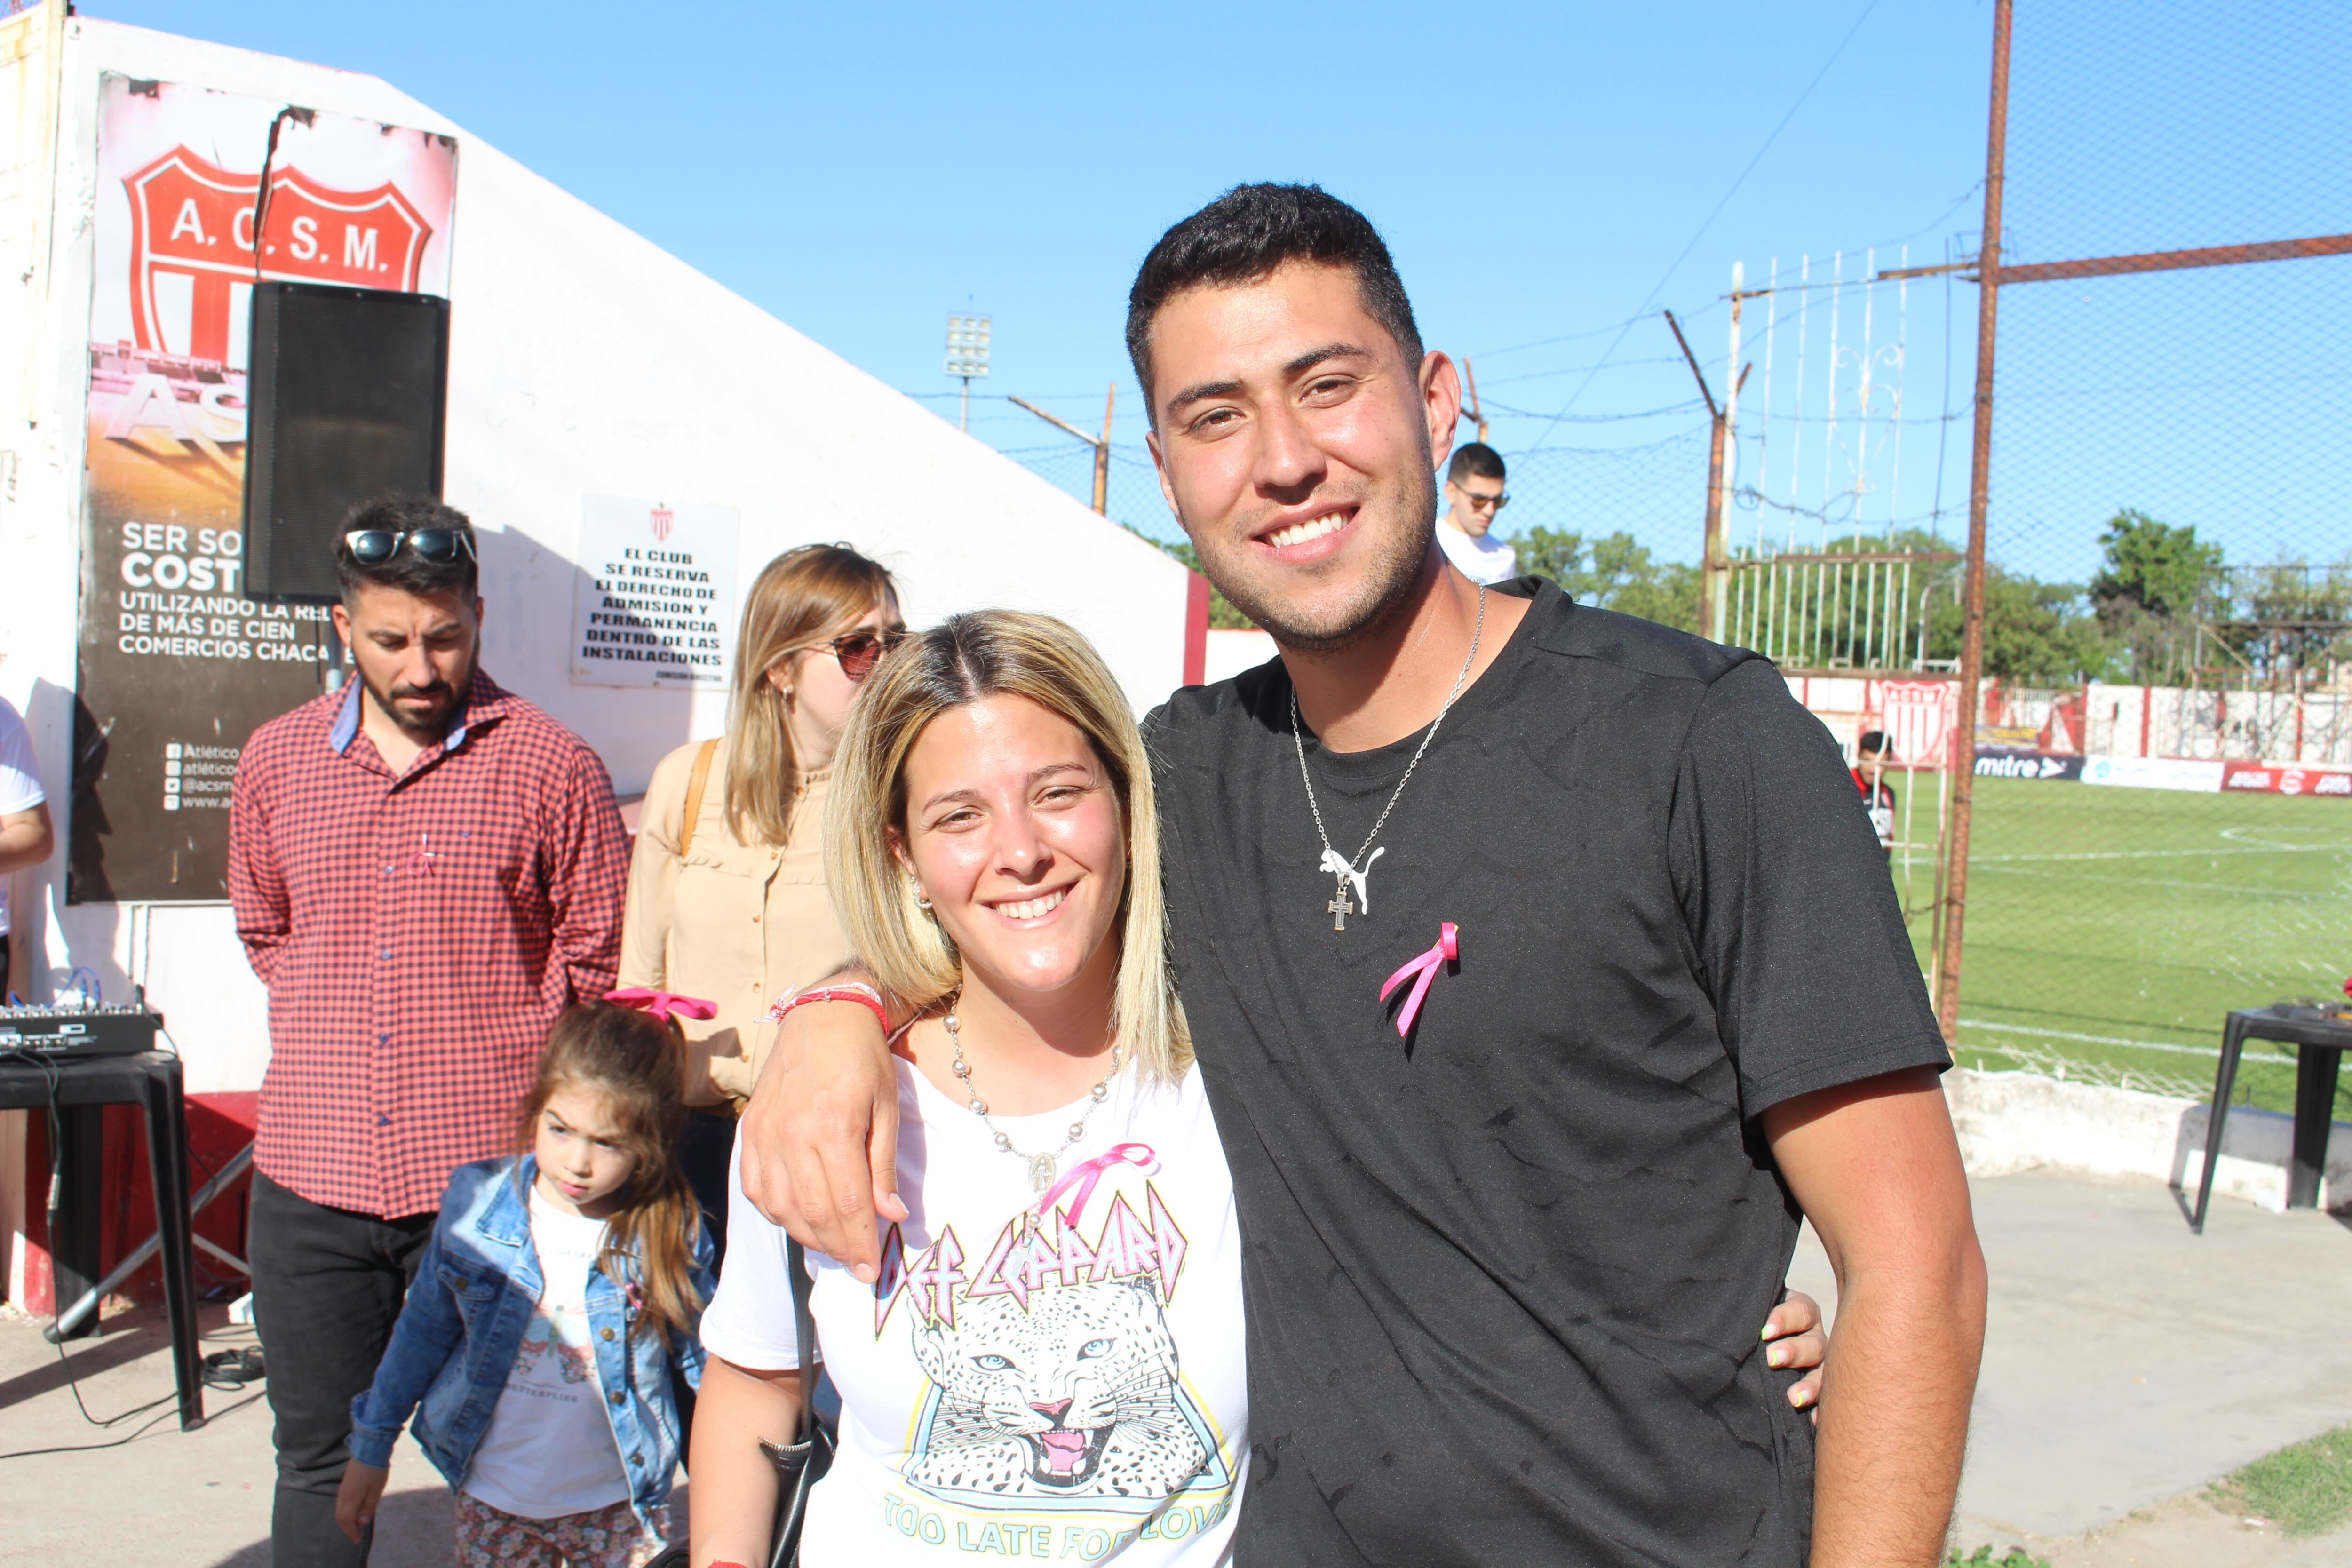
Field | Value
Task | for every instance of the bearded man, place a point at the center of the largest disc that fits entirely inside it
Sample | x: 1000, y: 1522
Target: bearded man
x: 426, y: 870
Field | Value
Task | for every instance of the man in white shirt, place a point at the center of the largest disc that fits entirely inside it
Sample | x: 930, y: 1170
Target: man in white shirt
x: 25, y: 839
x: 1474, y: 498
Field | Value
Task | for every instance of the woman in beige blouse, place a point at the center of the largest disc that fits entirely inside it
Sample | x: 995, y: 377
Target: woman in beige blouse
x: 734, y: 909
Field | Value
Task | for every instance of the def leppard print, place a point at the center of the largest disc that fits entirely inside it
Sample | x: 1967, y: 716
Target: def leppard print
x: 1054, y: 1377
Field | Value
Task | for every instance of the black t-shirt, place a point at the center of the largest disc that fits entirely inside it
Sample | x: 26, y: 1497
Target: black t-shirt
x: 1505, y: 1276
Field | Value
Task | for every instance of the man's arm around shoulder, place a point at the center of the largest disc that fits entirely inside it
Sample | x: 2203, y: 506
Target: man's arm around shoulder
x: 1877, y: 1168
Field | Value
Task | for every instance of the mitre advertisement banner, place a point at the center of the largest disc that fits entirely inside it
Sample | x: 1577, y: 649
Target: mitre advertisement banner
x: 178, y: 667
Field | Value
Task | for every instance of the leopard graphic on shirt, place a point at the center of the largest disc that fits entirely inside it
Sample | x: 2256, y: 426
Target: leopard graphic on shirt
x: 1054, y: 1377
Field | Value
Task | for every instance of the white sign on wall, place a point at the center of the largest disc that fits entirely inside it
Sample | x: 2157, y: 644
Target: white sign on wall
x: 656, y: 603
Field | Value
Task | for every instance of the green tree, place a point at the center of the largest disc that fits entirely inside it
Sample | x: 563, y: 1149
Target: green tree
x: 1612, y: 573
x: 2154, y: 581
x: 2036, y: 632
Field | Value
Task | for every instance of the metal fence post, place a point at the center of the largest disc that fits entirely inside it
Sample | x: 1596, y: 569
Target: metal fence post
x: 1956, y: 849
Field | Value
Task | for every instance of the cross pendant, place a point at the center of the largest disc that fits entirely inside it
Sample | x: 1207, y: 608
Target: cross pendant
x: 1341, y: 910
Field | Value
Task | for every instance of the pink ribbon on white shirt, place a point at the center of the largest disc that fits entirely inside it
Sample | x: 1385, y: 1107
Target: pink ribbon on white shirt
x: 662, y: 1005
x: 1084, y: 1177
x: 1426, y: 967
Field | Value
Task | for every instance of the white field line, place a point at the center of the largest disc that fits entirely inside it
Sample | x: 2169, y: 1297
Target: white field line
x: 2329, y: 895
x: 2165, y: 854
x: 2214, y: 1051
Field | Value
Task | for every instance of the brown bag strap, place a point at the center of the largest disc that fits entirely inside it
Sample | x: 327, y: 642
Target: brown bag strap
x: 695, y: 783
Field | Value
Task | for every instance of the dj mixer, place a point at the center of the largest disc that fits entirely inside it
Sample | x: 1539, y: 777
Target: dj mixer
x: 79, y: 1031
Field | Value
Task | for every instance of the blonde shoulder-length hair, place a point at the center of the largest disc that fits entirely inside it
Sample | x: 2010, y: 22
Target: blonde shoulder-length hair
x: 799, y: 598
x: 993, y: 653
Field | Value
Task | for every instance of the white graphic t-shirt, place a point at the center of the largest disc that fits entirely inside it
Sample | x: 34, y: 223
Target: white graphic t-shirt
x: 550, y: 1449
x: 1065, y: 1383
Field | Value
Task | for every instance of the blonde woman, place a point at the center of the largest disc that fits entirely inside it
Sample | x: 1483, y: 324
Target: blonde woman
x: 1052, y: 1361
x: 727, y: 898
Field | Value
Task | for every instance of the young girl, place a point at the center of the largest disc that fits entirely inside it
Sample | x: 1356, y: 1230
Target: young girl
x: 558, y: 1297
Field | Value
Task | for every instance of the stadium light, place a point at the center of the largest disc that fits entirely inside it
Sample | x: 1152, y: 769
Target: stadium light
x: 967, y: 356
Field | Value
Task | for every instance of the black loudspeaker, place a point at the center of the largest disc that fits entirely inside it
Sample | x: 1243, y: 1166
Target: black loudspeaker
x: 347, y: 400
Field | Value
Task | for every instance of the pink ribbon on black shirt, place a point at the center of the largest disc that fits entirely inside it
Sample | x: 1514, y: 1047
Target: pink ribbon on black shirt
x: 1426, y: 967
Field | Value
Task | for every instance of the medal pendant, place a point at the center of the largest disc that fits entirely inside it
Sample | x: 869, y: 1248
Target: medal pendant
x: 1041, y: 1172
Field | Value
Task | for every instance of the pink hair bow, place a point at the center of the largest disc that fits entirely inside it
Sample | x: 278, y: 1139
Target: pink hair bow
x: 1425, y: 967
x: 663, y: 1005
x: 1084, y: 1176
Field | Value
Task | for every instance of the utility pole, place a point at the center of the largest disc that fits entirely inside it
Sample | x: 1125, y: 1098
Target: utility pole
x: 1478, y: 417
x: 1102, y: 456
x: 1963, y: 763
x: 1715, y: 560
x: 1101, y: 446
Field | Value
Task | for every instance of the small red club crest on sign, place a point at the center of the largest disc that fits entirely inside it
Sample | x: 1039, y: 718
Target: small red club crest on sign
x: 664, y: 520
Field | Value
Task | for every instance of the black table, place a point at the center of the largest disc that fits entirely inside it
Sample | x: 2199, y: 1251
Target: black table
x: 2320, y: 1039
x: 84, y: 1086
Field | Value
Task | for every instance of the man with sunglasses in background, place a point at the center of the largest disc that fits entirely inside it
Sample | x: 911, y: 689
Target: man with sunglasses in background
x: 426, y: 870
x: 1474, y: 500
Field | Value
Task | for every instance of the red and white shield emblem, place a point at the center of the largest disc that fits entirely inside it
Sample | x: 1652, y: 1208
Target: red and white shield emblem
x: 192, y: 248
x: 664, y: 519
x: 1918, y: 716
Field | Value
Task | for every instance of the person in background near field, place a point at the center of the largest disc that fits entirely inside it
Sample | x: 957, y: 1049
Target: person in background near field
x: 556, y: 1309
x: 1474, y: 502
x: 727, y: 896
x: 1877, y: 795
x: 426, y: 871
x: 25, y: 837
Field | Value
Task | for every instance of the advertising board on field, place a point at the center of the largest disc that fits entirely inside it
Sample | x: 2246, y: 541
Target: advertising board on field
x: 177, y: 666
x: 2154, y: 773
x: 2003, y: 762
x: 2274, y: 778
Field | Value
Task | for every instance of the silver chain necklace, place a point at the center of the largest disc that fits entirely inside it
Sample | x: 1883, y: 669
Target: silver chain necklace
x: 1344, y: 869
x: 1042, y: 1167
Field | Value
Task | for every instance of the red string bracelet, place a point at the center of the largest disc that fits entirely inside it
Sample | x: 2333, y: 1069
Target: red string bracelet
x: 864, y: 996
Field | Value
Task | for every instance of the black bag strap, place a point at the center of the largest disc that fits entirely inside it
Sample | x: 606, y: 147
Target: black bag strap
x: 805, y: 1330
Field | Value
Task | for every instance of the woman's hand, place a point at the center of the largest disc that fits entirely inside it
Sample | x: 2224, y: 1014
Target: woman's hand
x: 356, y: 1499
x: 1793, y: 1336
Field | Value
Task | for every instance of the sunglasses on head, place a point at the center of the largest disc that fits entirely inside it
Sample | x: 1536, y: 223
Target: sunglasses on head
x: 374, y: 546
x: 859, y: 652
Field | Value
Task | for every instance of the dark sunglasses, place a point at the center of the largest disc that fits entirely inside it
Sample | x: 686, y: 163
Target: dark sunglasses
x: 859, y: 652
x: 1479, y: 503
x: 374, y: 546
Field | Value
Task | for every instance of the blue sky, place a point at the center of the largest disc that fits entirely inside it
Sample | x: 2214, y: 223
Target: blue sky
x: 1544, y: 173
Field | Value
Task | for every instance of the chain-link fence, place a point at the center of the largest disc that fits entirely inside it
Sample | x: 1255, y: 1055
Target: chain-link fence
x: 2164, y: 778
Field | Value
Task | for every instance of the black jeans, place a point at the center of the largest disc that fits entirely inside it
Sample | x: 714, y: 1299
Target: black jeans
x: 326, y: 1287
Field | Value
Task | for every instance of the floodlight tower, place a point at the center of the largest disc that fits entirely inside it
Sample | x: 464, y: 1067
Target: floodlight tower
x: 967, y: 357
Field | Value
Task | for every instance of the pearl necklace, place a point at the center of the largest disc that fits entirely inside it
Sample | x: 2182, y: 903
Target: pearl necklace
x: 1042, y: 1166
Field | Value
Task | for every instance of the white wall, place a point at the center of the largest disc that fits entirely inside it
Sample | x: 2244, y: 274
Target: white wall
x: 583, y: 360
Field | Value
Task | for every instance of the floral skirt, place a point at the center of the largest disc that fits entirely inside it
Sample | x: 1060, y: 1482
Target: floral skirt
x: 602, y: 1538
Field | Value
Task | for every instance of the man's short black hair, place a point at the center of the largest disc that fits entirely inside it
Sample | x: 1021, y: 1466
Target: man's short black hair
x: 406, y: 571
x: 1474, y: 459
x: 1871, y: 740
x: 1244, y: 235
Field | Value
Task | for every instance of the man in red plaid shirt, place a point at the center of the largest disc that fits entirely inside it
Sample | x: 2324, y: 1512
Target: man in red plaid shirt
x: 426, y: 870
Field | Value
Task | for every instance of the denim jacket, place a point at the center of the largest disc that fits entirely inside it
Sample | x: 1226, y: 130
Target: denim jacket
x: 462, y: 1327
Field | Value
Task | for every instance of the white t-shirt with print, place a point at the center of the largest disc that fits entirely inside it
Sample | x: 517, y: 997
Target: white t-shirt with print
x: 550, y: 1449
x: 1486, y: 558
x: 20, y: 782
x: 1067, y: 1387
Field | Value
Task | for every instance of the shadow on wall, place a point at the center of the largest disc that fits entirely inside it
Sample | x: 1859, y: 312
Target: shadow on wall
x: 529, y: 591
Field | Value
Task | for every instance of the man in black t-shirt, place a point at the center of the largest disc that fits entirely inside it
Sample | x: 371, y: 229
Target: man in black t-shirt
x: 1542, y: 976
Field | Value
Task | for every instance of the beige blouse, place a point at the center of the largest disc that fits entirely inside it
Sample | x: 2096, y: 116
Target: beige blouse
x: 737, y: 925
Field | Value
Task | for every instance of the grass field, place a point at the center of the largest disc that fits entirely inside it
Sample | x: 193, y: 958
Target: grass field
x: 2110, y: 928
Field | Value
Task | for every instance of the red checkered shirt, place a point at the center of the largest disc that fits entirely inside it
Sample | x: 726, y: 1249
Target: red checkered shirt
x: 419, y: 935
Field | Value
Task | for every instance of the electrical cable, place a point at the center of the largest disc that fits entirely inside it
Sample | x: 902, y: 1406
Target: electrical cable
x: 1708, y: 222
x: 142, y: 1432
